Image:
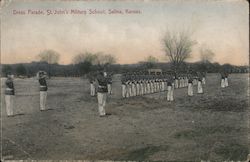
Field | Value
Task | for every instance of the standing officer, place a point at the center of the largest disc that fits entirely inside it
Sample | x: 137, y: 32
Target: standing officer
x: 186, y: 81
x: 170, y: 93
x: 109, y: 80
x: 222, y: 83
x: 176, y: 81
x: 204, y: 78
x: 43, y: 89
x: 123, y: 80
x: 137, y: 84
x: 133, y: 85
x: 199, y: 86
x: 102, y: 91
x: 190, y: 86
x: 226, y: 79
x: 9, y: 95
x: 128, y: 86
x: 92, y: 84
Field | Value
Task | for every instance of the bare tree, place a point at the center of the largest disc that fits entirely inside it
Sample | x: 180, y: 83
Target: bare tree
x: 107, y: 59
x: 206, y: 55
x: 86, y: 57
x: 50, y: 57
x: 151, y: 61
x: 178, y: 47
x: 94, y: 58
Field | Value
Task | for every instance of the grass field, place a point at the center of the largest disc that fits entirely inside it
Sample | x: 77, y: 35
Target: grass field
x: 210, y: 126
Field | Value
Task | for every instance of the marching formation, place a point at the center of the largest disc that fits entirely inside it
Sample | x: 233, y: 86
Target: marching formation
x: 132, y: 84
x: 142, y: 84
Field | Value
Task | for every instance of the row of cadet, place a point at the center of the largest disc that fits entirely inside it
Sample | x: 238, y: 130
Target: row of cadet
x: 137, y: 85
x: 129, y: 88
x: 10, y: 92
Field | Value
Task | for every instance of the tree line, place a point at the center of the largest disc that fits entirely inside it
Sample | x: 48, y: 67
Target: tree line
x: 177, y: 47
x: 80, y: 70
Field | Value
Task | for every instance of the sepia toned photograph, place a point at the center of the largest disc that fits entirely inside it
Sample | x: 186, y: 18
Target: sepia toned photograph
x: 125, y: 80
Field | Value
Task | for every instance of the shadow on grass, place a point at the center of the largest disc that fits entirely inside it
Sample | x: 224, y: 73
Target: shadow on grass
x: 223, y: 105
x: 203, y: 131
x: 142, y: 154
x: 225, y: 148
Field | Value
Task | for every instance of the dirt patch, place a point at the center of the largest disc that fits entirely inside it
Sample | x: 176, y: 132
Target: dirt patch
x: 232, y: 151
x: 205, y: 131
x: 210, y: 126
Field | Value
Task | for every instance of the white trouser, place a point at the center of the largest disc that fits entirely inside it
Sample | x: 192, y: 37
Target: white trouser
x: 183, y: 83
x: 226, y: 82
x: 199, y: 87
x: 148, y: 88
x: 180, y: 83
x: 151, y: 87
x: 158, y: 86
x: 134, y: 89
x: 176, y: 83
x: 170, y: 93
x: 109, y: 89
x: 123, y: 90
x: 222, y: 83
x: 190, y: 89
x: 162, y: 86
x: 141, y: 89
x: 186, y: 82
x: 142, y: 92
x: 130, y: 90
x: 127, y: 90
x: 137, y: 89
x: 92, y: 89
x: 43, y: 97
x: 9, y: 101
x: 145, y: 88
x: 194, y: 82
x: 154, y: 87
x: 203, y: 80
x: 101, y: 97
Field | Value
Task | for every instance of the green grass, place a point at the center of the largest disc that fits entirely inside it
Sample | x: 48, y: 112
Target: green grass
x: 143, y: 154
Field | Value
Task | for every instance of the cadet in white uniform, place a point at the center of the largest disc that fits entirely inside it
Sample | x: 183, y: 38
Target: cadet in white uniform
x: 102, y: 93
x: 109, y: 81
x: 170, y: 93
x: 92, y: 85
x: 222, y: 83
x: 123, y: 80
x: 199, y: 86
x: 190, y: 86
x: 204, y: 78
x: 226, y: 79
x: 43, y: 89
x: 9, y: 95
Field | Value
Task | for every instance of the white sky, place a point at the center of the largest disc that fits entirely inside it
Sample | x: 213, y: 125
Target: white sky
x: 220, y: 25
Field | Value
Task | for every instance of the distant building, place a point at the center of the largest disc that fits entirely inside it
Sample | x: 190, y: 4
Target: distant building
x: 155, y: 71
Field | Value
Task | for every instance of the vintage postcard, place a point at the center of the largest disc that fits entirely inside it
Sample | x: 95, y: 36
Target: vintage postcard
x: 125, y: 80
